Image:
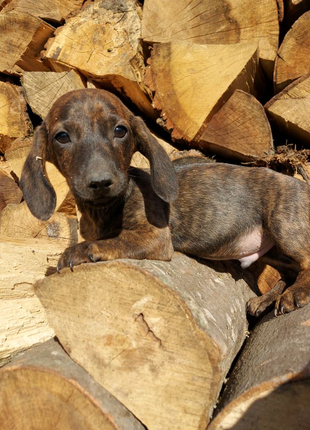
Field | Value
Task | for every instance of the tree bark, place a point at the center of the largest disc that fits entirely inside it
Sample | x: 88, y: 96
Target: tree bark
x: 168, y: 330
x: 60, y: 394
x: 269, y: 387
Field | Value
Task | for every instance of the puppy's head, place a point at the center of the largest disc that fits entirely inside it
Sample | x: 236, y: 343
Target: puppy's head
x: 90, y: 136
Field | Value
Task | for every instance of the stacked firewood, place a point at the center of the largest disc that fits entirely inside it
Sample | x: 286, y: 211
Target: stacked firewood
x: 148, y: 344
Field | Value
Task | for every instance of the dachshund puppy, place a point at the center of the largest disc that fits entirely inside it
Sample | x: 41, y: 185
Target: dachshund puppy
x: 207, y: 210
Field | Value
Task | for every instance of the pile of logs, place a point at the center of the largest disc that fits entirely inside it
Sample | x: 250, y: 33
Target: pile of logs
x: 142, y: 344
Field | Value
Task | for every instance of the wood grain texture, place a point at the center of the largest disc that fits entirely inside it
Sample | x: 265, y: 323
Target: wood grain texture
x: 288, y: 111
x: 14, y: 119
x: 157, y: 327
x: 42, y: 89
x: 269, y: 387
x: 187, y: 96
x: 60, y: 394
x: 293, y: 59
x: 23, y: 320
x: 54, y: 10
x: 240, y: 130
x: 22, y: 38
x: 216, y: 22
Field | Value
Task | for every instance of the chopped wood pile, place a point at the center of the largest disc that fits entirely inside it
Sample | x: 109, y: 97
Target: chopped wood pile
x: 147, y: 344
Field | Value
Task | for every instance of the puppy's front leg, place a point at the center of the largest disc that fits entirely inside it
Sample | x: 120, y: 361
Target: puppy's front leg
x: 152, y: 244
x: 296, y: 296
x: 257, y: 305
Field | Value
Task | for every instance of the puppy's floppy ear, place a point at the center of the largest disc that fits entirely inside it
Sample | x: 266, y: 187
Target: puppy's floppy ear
x: 37, y: 189
x: 163, y: 177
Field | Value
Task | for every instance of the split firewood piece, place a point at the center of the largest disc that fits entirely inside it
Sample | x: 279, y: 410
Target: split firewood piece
x: 22, y: 317
x: 60, y: 394
x: 16, y: 158
x: 269, y: 386
x: 103, y: 42
x: 289, y: 110
x: 293, y: 59
x: 14, y: 120
x: 22, y: 38
x: 217, y: 22
x: 53, y: 10
x: 10, y: 193
x: 42, y: 89
x: 239, y: 130
x: 16, y: 221
x: 188, y: 96
x: 157, y: 326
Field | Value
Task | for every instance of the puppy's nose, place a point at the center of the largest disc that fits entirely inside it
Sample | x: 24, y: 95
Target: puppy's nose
x: 100, y: 183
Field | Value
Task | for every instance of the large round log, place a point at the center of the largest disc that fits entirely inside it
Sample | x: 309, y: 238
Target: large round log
x: 270, y: 385
x: 214, y: 22
x: 160, y: 336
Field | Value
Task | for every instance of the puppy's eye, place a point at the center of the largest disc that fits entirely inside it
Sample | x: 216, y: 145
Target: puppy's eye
x: 120, y: 131
x: 62, y: 137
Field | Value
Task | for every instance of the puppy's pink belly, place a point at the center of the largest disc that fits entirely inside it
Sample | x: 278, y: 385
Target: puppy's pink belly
x: 246, y: 249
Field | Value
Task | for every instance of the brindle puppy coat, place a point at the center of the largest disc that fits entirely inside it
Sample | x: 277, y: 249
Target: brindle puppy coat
x: 208, y: 210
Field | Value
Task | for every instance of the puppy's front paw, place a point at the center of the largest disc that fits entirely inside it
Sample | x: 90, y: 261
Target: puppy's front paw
x: 256, y: 305
x: 75, y: 255
x: 294, y: 297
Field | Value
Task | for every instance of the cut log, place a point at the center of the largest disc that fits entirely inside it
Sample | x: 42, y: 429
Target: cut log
x: 216, y: 22
x: 42, y: 89
x: 22, y: 38
x: 187, y: 95
x: 53, y: 10
x: 16, y: 221
x: 269, y: 387
x: 14, y: 120
x: 240, y: 130
x: 60, y: 394
x: 293, y: 59
x: 10, y: 193
x: 103, y: 43
x: 157, y: 326
x: 289, y: 111
x: 22, y: 317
